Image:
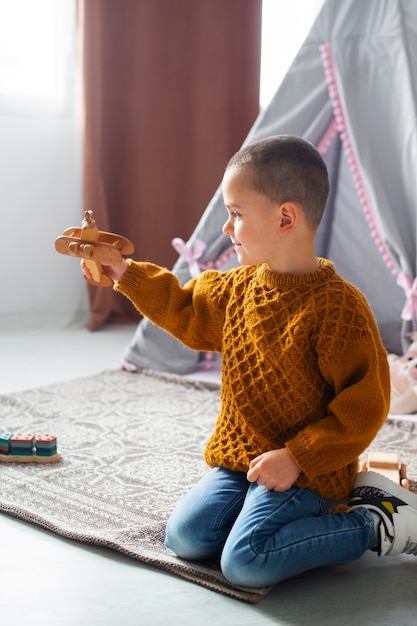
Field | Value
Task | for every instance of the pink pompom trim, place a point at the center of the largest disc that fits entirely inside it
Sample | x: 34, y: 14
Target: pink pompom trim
x: 338, y: 125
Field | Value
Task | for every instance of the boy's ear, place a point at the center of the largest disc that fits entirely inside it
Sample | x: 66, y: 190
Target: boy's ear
x: 288, y: 217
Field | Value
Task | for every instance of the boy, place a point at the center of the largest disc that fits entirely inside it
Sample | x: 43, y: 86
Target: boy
x: 305, y: 384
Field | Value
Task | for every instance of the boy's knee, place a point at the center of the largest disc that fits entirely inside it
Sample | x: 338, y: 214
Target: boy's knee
x: 236, y: 567
x: 245, y: 568
x: 176, y: 539
x: 183, y: 539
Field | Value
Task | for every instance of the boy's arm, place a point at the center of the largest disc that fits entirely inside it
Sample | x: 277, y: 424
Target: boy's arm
x: 361, y: 382
x: 354, y: 416
x: 191, y: 313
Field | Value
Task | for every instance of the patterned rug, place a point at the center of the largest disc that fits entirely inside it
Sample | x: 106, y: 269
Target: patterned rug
x: 131, y: 446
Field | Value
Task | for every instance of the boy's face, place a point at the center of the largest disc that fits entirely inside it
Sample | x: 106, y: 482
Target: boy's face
x: 252, y: 220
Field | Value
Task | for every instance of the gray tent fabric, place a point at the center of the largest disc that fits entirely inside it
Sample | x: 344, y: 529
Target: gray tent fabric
x: 351, y: 91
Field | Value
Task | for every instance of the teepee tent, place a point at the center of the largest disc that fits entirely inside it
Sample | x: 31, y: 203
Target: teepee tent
x: 351, y: 91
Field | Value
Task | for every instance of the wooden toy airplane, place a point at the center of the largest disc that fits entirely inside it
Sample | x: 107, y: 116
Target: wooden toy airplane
x: 95, y: 247
x: 387, y: 464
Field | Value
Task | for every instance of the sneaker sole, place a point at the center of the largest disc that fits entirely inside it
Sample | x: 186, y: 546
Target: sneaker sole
x: 373, y: 479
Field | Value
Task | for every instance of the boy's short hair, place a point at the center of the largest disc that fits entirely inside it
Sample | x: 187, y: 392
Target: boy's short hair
x: 287, y: 168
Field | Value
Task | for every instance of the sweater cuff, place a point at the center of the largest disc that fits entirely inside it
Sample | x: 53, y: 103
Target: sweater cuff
x: 311, y: 464
x: 128, y: 285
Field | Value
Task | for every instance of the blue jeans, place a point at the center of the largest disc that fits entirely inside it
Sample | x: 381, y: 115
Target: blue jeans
x: 262, y: 537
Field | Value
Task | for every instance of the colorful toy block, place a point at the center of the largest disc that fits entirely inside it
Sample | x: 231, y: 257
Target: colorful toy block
x: 28, y: 448
x: 5, y: 443
x: 22, y: 444
x: 45, y: 445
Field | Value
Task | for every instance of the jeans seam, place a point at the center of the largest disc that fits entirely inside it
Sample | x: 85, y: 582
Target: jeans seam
x: 218, y: 526
x: 250, y: 543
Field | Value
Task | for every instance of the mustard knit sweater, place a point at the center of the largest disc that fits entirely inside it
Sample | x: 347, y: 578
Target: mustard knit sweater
x: 303, y: 365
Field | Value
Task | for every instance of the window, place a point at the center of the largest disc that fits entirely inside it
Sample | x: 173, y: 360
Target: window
x: 37, y: 56
x: 285, y: 25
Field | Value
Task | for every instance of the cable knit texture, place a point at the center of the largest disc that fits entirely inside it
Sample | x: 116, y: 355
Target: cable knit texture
x: 303, y: 365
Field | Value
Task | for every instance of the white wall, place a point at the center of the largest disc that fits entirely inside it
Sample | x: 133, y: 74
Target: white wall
x: 40, y: 196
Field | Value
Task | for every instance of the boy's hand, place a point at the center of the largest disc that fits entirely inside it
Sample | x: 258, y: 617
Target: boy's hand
x: 115, y: 272
x: 275, y: 470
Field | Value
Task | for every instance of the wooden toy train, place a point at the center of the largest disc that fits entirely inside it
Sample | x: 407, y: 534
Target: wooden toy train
x: 28, y: 448
x: 389, y: 465
x: 96, y: 247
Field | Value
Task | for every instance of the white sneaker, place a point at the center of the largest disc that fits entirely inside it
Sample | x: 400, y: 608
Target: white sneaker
x: 397, y: 508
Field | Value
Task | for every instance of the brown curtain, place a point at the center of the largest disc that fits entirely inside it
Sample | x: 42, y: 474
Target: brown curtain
x: 170, y: 90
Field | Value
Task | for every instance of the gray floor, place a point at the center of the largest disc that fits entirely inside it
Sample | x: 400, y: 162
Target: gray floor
x: 48, y: 580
